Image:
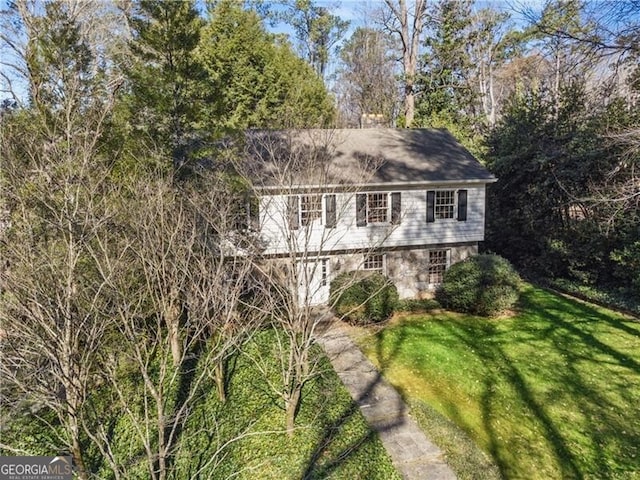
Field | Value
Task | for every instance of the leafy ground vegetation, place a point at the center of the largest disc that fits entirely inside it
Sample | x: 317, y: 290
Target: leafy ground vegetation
x: 244, y: 437
x: 550, y: 392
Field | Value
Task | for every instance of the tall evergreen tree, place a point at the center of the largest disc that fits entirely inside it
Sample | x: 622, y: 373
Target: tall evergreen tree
x: 465, y: 50
x: 258, y: 80
x: 549, y: 212
x: 446, y: 64
x: 166, y: 78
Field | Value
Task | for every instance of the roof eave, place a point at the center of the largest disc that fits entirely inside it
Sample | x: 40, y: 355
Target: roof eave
x: 377, y: 185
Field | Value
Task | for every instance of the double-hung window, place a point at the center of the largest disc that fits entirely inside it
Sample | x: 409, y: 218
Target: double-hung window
x: 378, y: 208
x: 311, y: 209
x: 446, y: 205
x: 438, y: 262
x: 373, y: 263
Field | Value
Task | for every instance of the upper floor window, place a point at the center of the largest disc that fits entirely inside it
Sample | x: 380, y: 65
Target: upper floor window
x: 246, y: 214
x: 311, y: 209
x: 446, y: 204
x: 378, y: 207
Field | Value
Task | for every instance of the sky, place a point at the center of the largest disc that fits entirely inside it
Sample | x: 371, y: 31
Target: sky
x: 357, y: 12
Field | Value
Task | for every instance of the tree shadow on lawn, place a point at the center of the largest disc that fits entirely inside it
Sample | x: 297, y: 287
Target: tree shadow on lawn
x: 567, y: 364
x: 324, y: 461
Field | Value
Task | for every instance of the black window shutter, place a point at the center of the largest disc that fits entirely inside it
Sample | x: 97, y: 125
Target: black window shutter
x: 361, y: 209
x: 462, y: 205
x: 431, y: 200
x: 292, y: 212
x: 330, y: 211
x: 396, y: 208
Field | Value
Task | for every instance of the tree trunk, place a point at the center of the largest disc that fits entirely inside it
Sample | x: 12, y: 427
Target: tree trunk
x: 556, y: 90
x: 172, y: 319
x: 76, y: 449
x: 492, y: 98
x: 162, y: 447
x: 409, y: 104
x: 219, y: 378
x: 410, y: 37
x: 291, y: 406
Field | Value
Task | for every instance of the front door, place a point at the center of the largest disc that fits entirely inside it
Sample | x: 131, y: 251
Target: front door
x: 313, y: 282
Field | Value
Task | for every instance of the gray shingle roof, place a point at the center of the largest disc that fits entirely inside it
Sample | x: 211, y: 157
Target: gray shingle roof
x: 388, y: 155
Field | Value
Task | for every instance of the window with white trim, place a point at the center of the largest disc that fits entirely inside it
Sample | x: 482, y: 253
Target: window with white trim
x: 437, y: 265
x: 377, y: 207
x: 445, y: 204
x: 373, y: 263
x: 310, y: 209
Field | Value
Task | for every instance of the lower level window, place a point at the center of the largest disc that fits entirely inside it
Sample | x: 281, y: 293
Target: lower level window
x: 374, y: 263
x: 437, y: 265
x: 323, y: 271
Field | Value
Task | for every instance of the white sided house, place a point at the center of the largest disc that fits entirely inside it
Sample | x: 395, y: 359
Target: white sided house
x: 404, y: 202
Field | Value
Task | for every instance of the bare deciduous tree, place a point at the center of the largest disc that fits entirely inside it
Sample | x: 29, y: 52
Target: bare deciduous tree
x: 54, y: 313
x: 367, y: 77
x: 172, y: 254
x: 54, y: 310
x: 407, y: 24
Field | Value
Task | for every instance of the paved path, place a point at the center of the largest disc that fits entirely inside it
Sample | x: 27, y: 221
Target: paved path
x: 412, y: 453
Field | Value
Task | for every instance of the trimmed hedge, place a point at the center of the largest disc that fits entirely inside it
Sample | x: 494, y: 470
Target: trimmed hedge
x: 363, y: 297
x: 483, y: 285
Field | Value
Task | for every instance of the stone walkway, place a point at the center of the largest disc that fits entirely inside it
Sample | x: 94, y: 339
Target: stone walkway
x: 412, y: 453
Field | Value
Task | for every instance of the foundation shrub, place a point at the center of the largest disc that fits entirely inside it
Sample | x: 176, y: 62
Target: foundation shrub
x: 485, y: 285
x: 363, y: 297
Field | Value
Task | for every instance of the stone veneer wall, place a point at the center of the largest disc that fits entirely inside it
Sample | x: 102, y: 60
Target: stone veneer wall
x: 406, y: 268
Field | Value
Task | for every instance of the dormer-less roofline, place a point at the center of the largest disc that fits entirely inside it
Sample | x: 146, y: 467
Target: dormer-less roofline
x: 382, y: 186
x: 367, y: 158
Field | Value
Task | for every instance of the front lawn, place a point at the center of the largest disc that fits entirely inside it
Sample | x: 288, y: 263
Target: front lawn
x: 550, y: 392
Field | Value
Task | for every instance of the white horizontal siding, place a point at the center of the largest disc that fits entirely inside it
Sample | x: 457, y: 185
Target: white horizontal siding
x: 412, y: 230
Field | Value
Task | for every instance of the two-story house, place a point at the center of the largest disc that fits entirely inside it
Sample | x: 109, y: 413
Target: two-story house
x: 405, y: 202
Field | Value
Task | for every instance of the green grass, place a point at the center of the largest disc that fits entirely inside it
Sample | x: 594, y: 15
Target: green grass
x: 333, y: 439
x: 550, y: 392
x: 461, y: 452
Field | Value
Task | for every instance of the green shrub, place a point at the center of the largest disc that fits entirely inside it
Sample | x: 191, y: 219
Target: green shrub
x: 483, y: 285
x: 363, y: 297
x: 417, y: 305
